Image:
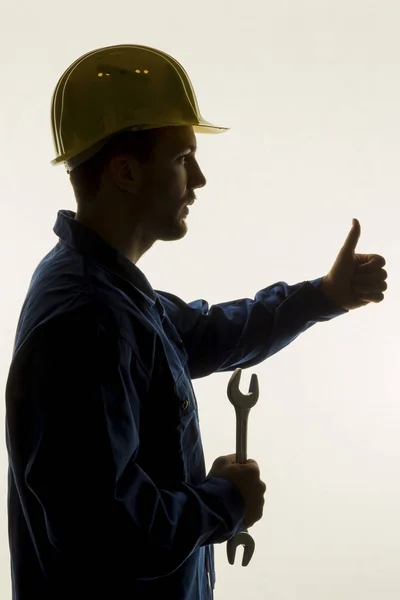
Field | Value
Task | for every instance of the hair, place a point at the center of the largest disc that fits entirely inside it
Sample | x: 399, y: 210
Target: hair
x: 85, y: 178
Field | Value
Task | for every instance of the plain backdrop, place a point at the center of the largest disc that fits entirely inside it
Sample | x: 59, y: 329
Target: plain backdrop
x: 311, y: 92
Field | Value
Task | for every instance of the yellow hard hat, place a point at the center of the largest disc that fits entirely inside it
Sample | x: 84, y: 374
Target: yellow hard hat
x: 124, y: 87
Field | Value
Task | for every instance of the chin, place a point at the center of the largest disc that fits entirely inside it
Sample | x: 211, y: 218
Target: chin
x: 174, y: 232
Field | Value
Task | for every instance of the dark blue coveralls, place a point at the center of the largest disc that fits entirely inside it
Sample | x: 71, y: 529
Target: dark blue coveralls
x: 108, y: 495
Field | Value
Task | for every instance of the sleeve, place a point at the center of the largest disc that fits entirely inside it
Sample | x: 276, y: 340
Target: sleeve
x: 82, y: 408
x: 243, y: 333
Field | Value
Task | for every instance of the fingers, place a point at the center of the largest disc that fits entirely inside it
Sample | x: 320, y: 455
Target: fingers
x: 370, y: 262
x: 372, y: 277
x: 369, y: 285
x: 373, y: 288
x: 369, y: 279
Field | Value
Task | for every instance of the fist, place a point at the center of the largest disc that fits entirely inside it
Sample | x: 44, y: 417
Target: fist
x: 246, y: 477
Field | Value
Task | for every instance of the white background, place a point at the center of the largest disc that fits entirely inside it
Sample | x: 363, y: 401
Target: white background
x: 311, y: 92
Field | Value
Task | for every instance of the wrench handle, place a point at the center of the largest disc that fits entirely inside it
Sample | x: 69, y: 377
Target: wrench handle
x: 242, y: 417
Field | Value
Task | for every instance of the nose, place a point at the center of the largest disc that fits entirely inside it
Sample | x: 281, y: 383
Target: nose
x: 197, y: 179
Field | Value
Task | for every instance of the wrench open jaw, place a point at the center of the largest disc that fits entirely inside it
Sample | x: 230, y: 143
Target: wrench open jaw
x: 242, y: 404
x: 237, y: 397
x: 241, y: 539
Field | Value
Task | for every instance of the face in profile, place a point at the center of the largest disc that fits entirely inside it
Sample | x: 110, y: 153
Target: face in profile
x: 169, y: 183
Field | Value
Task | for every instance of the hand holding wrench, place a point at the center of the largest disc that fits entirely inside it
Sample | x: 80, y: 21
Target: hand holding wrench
x: 242, y: 404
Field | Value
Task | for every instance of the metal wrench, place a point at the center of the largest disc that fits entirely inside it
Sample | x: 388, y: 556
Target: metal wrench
x: 242, y: 404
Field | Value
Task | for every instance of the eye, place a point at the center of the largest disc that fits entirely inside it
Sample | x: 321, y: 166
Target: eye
x: 185, y: 156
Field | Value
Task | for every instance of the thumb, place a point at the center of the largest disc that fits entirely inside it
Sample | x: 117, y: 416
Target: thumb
x: 352, y: 239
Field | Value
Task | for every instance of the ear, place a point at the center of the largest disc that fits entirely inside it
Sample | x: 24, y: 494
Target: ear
x: 125, y: 172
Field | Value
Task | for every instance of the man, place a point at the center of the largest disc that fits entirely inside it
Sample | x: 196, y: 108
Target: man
x: 108, y: 492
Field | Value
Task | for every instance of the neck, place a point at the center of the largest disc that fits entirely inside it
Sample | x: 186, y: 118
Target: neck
x: 117, y: 233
